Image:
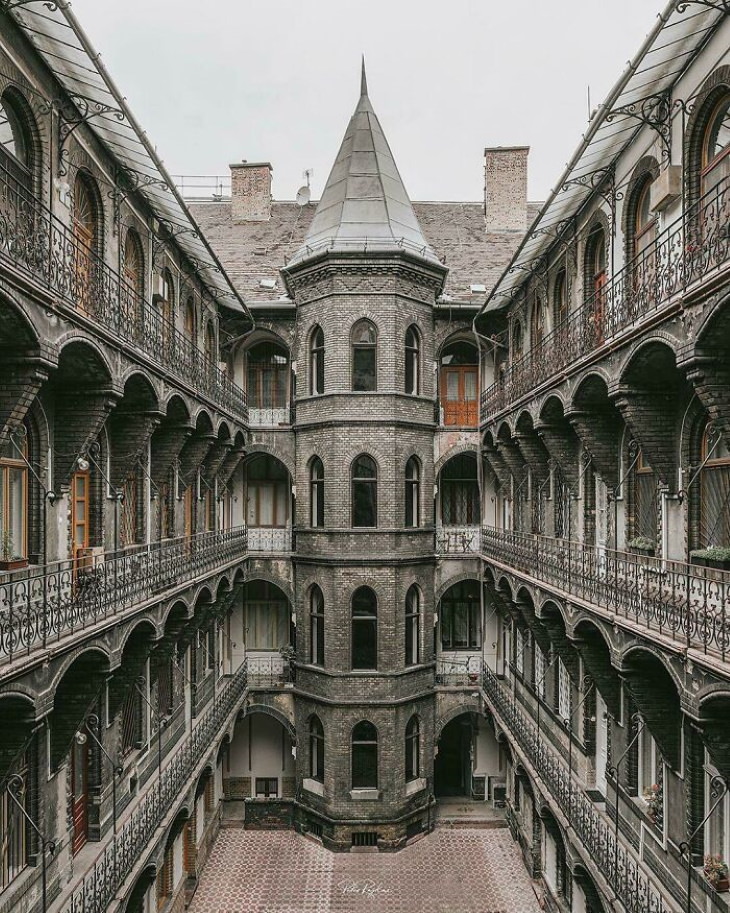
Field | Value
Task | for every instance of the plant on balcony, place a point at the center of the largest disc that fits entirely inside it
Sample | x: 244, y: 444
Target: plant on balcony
x: 654, y: 799
x: 9, y: 560
x: 642, y: 546
x: 288, y: 654
x: 716, y: 872
x: 715, y: 556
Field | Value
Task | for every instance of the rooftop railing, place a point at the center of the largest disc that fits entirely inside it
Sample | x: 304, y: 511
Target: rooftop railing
x: 42, y: 605
x: 40, y: 246
x: 591, y: 828
x: 684, y: 602
x: 685, y: 253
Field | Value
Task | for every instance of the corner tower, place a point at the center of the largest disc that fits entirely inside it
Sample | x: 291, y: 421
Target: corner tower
x: 365, y: 283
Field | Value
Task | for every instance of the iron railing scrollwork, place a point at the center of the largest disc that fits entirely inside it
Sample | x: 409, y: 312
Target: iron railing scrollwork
x: 40, y: 605
x: 39, y: 245
x: 684, y: 602
x: 96, y: 892
x: 683, y: 254
x: 594, y: 831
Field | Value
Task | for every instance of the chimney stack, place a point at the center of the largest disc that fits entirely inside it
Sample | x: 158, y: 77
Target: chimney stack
x: 251, y: 192
x: 505, y: 188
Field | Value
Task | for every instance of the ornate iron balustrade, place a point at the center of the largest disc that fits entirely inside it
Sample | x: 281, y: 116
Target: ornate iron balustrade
x: 268, y: 670
x: 594, y: 831
x: 683, y: 254
x: 459, y: 672
x: 39, y: 245
x: 457, y: 540
x: 268, y: 539
x: 41, y: 605
x: 684, y: 602
x: 269, y: 417
x: 96, y: 892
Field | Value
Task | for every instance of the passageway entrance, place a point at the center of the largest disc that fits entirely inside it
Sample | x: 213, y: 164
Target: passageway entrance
x: 452, y: 766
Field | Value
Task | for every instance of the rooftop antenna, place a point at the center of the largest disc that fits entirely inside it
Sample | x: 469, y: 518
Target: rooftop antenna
x: 304, y: 194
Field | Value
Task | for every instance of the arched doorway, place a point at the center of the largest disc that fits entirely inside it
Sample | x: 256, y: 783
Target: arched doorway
x: 468, y: 763
x: 260, y: 763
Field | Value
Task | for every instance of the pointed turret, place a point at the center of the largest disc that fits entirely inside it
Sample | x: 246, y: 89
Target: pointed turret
x: 364, y: 205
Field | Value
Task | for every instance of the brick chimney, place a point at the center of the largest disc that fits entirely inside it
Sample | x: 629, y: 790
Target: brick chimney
x: 505, y: 188
x: 251, y: 192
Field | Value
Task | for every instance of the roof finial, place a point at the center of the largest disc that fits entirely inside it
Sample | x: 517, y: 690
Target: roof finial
x: 363, y: 79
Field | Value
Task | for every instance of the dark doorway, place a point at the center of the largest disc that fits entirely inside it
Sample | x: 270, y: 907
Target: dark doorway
x: 452, y: 767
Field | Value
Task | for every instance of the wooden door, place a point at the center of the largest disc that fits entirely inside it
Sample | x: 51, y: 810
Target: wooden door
x: 80, y: 497
x: 80, y: 794
x: 459, y: 395
x: 188, y: 508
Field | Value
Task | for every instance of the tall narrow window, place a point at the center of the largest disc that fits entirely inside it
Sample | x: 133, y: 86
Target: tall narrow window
x: 644, y: 502
x: 316, y: 492
x: 166, y: 305
x: 316, y: 626
x: 364, y: 756
x: 190, y: 319
x: 412, y: 361
x: 85, y: 224
x: 267, y: 379
x: 211, y: 349
x: 458, y: 384
x: 413, y: 626
x: 364, y: 492
x: 13, y: 826
x: 364, y: 356
x: 14, y: 505
x: 714, y: 527
x: 461, y: 617
x: 537, y: 325
x: 134, y: 263
x: 316, y: 749
x: 460, y: 491
x: 596, y: 278
x: 15, y: 141
x: 316, y: 362
x: 364, y: 629
x: 715, y: 160
x: 413, y: 749
x: 560, y: 298
x: 413, y: 492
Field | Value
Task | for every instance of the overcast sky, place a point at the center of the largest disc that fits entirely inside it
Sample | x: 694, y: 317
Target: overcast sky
x: 217, y: 81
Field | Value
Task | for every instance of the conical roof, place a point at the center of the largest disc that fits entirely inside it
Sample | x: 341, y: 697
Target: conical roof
x: 364, y: 205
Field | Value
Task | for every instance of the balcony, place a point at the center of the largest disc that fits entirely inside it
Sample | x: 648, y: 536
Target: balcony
x: 686, y: 254
x: 38, y: 245
x: 40, y: 606
x: 458, y: 541
x: 686, y: 603
x: 270, y: 417
x: 591, y: 828
x: 274, y: 540
x: 459, y: 671
x: 268, y: 670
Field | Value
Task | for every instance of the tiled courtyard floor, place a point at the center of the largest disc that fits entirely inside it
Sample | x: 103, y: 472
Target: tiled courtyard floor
x: 450, y: 871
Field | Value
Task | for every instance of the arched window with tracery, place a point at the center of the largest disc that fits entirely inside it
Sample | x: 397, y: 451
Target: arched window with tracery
x: 316, y: 626
x: 364, y: 629
x: 316, y: 749
x: 537, y: 322
x: 86, y: 229
x: 715, y: 148
x: 641, y: 244
x: 364, y: 756
x: 134, y: 263
x: 316, y: 362
x: 189, y: 321
x: 364, y: 357
x: 643, y: 502
x: 211, y: 348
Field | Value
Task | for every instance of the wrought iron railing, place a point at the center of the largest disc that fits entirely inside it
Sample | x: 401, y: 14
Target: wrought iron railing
x: 683, y: 254
x: 593, y: 829
x: 38, y: 244
x: 41, y: 605
x: 96, y: 892
x: 685, y: 602
x: 459, y: 672
x: 457, y: 540
x: 268, y: 670
x: 269, y: 539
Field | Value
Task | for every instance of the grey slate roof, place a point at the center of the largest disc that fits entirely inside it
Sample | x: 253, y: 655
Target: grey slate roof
x: 364, y: 204
x: 456, y: 232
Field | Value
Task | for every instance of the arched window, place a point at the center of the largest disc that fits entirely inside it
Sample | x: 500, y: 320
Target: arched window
x: 211, y: 349
x: 644, y: 503
x: 364, y: 356
x: 316, y: 492
x: 714, y: 527
x: 316, y: 362
x: 189, y: 321
x: 644, y: 227
x: 413, y: 492
x: 537, y: 326
x: 267, y: 381
x: 87, y: 238
x: 459, y: 489
x: 461, y: 617
x: 715, y: 157
x: 364, y: 756
x: 364, y: 491
x: 16, y: 140
x: 517, y: 344
x: 316, y: 626
x: 364, y: 629
x: 595, y: 280
x: 413, y: 626
x: 134, y: 263
x: 316, y: 749
x: 412, y: 361
x: 268, y: 492
x: 413, y: 749
x: 560, y: 297
x: 14, y: 503
x: 458, y: 384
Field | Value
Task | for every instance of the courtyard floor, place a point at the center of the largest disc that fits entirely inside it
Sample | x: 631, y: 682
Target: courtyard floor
x: 450, y: 871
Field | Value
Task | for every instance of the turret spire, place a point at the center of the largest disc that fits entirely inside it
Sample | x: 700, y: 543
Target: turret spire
x: 363, y: 79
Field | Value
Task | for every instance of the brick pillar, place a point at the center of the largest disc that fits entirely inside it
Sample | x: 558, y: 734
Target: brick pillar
x: 498, y: 466
x: 80, y: 416
x: 214, y: 460
x: 21, y: 382
x: 510, y: 453
x: 650, y: 417
x: 597, y: 663
x: 600, y: 433
x: 193, y: 454
x: 710, y: 377
x: 694, y: 783
x: 563, y: 446
x: 167, y: 443
x: 230, y: 464
x: 129, y: 434
x: 534, y: 454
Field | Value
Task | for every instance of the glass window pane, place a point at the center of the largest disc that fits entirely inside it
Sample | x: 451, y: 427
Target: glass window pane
x: 470, y: 386
x: 364, y: 643
x: 452, y: 386
x: 363, y: 369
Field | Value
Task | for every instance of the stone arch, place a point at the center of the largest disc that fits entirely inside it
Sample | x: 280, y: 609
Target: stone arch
x: 177, y: 409
x: 446, y: 585
x: 141, y: 389
x: 277, y: 581
x: 462, y: 708
x: 180, y: 608
x: 74, y: 692
x: 82, y: 361
x: 272, y: 450
x: 135, y: 629
x: 456, y: 450
x: 273, y: 712
x: 17, y: 326
x: 710, y: 92
x: 646, y: 169
x: 136, y: 897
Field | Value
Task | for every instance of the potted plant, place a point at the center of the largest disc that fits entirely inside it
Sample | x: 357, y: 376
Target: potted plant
x: 9, y: 560
x: 715, y: 556
x: 642, y: 546
x: 654, y: 799
x: 716, y: 872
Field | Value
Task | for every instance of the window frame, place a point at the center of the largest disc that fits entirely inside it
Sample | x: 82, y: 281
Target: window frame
x: 412, y: 384
x: 358, y: 621
x: 357, y: 349
x: 316, y: 749
x: 413, y: 493
x: 316, y: 625
x: 356, y: 483
x: 473, y: 617
x: 363, y: 743
x: 412, y: 651
x: 316, y: 493
x: 413, y: 749
x: 316, y: 361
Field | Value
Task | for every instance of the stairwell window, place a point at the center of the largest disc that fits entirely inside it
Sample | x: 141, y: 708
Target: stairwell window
x: 316, y: 362
x: 364, y: 756
x: 364, y: 357
x: 316, y: 749
x: 413, y: 749
x: 316, y: 626
x: 413, y: 492
x: 364, y: 492
x: 364, y: 629
x: 412, y: 361
x: 413, y: 626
